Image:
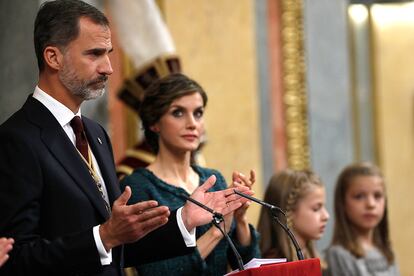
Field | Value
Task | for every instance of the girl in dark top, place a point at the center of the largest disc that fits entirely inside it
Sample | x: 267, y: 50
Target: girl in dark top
x: 361, y: 244
x: 172, y: 116
x: 302, y: 195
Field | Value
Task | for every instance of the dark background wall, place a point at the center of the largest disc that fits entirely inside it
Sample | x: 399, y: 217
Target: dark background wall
x: 18, y: 71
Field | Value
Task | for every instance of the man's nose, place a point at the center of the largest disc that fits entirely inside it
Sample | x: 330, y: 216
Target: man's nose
x: 105, y: 67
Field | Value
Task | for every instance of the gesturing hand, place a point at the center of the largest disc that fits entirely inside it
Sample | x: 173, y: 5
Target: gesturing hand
x: 224, y: 202
x: 129, y: 223
x: 5, y: 246
x: 239, y: 178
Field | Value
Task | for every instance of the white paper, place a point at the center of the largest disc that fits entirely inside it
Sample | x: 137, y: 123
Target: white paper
x: 259, y: 262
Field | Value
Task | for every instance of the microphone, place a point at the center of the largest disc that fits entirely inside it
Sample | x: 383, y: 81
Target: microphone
x: 274, y: 210
x: 217, y: 219
x: 270, y: 206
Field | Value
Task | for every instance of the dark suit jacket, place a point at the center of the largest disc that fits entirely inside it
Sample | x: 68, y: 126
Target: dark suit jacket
x: 49, y: 202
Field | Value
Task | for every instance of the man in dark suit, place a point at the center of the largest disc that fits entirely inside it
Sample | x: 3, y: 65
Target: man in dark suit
x: 59, y: 196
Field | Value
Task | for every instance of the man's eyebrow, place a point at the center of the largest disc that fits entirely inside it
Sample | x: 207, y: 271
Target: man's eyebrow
x: 98, y: 51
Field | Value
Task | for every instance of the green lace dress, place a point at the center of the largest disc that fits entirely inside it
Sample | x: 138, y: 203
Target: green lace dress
x: 145, y: 186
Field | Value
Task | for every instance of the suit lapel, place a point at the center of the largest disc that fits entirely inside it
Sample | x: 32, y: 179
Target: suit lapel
x: 98, y: 142
x: 59, y: 144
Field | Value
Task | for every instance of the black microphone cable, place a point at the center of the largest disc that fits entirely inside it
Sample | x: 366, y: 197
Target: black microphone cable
x: 239, y: 259
x: 290, y: 234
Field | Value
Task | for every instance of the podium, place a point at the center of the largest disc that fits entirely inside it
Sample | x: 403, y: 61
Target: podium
x: 308, y: 267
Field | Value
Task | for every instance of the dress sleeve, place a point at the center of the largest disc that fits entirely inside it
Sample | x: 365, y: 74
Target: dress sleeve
x: 139, y: 187
x: 168, y: 235
x: 340, y: 262
x: 191, y: 264
x: 246, y: 252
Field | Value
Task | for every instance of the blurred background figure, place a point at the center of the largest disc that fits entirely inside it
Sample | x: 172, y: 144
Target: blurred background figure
x: 301, y: 195
x: 172, y: 115
x: 361, y: 243
x: 150, y: 55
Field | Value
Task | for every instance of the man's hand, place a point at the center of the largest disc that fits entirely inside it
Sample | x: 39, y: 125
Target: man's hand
x: 5, y: 246
x: 224, y: 202
x: 129, y: 223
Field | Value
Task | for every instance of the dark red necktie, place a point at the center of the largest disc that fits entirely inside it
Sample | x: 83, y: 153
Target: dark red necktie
x: 81, y: 141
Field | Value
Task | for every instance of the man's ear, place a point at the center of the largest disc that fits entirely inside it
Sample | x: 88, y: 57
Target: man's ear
x: 53, y: 57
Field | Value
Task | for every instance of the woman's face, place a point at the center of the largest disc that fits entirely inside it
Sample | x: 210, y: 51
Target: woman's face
x: 310, y: 215
x: 365, y: 202
x: 182, y: 126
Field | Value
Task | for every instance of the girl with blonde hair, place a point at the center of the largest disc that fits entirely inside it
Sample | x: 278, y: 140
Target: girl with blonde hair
x: 302, y: 195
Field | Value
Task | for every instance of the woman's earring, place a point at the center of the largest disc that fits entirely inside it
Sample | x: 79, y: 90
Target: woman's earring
x: 155, y: 129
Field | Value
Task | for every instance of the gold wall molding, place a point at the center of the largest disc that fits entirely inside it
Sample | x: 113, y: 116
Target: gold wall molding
x: 294, y: 82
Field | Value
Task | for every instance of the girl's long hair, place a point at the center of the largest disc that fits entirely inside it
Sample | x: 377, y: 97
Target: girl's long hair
x: 285, y: 190
x: 344, y: 233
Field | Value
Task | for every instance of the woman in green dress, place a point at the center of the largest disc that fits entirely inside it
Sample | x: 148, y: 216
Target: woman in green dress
x: 172, y: 117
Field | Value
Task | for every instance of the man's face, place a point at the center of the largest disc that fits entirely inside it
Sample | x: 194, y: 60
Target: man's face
x: 86, y: 63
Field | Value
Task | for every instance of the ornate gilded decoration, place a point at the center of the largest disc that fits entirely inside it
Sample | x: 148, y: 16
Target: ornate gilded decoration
x: 294, y: 99
x: 133, y: 88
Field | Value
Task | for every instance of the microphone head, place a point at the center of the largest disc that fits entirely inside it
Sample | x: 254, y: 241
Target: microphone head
x: 277, y: 209
x: 218, y: 218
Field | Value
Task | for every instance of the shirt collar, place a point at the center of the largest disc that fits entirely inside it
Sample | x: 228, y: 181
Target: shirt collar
x: 62, y: 114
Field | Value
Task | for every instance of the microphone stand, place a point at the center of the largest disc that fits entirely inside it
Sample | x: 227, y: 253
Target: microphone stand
x: 275, y: 210
x: 290, y: 234
x: 217, y: 219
